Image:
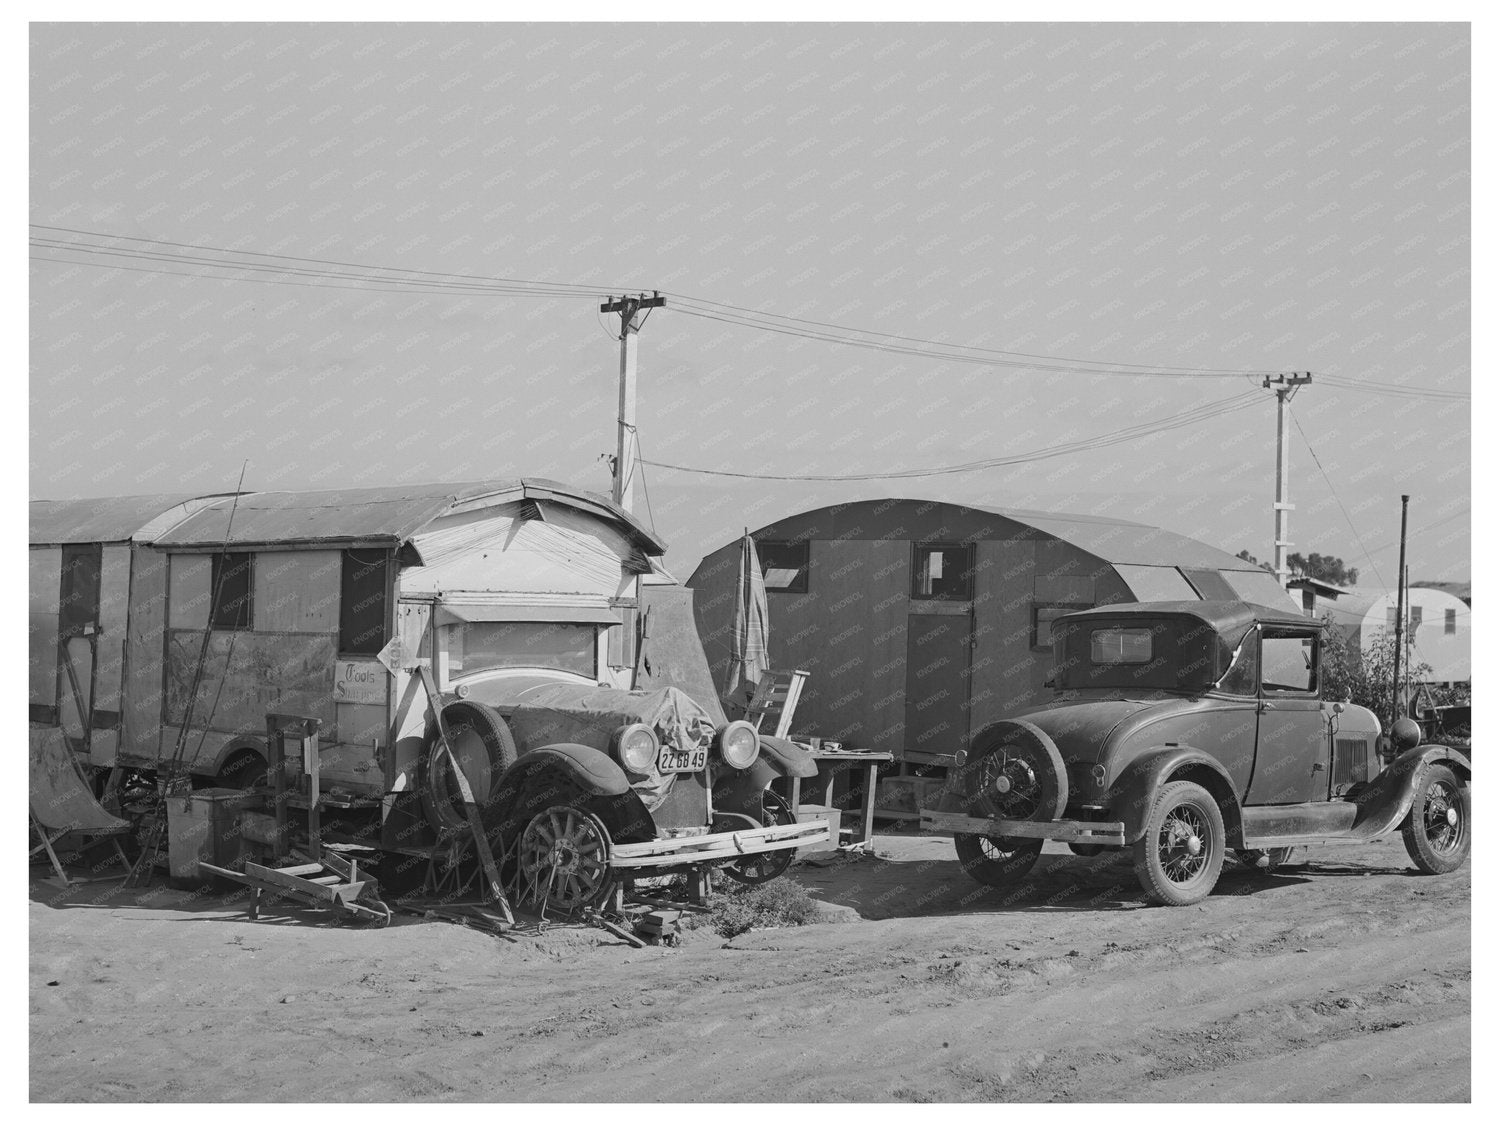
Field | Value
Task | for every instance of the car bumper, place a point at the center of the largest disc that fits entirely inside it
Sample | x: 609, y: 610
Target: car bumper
x: 718, y: 845
x: 1073, y: 831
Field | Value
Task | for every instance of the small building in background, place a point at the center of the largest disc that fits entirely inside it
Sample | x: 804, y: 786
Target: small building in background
x: 1314, y: 592
x: 921, y: 621
x: 1437, y: 623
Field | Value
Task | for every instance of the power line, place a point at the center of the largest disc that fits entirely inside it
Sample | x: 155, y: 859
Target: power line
x: 1131, y: 433
x: 1155, y: 368
x: 385, y: 278
x: 1334, y: 493
x: 584, y: 290
x: 736, y: 315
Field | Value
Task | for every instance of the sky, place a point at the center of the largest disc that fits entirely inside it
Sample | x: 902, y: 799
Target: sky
x: 1143, y: 212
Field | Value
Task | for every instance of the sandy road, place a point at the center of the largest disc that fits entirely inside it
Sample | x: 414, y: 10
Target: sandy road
x: 1347, y: 979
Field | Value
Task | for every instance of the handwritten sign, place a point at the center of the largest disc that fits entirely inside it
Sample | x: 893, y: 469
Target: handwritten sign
x: 360, y: 681
x: 393, y: 655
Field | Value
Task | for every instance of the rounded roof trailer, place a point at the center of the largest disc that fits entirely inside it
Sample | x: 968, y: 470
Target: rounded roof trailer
x: 921, y: 620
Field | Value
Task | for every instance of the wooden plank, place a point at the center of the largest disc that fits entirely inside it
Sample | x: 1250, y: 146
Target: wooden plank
x: 301, y: 887
x: 297, y: 591
x: 189, y: 591
x: 811, y: 833
x: 685, y: 844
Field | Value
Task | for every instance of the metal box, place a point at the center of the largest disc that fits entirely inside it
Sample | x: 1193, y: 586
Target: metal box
x: 203, y: 827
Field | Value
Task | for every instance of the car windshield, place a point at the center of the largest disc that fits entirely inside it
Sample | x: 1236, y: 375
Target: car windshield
x: 477, y: 646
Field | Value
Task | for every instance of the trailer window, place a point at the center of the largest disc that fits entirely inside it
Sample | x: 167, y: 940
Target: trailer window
x: 1043, y: 614
x: 943, y: 571
x: 784, y: 566
x: 232, y: 589
x: 477, y: 646
x: 362, y: 602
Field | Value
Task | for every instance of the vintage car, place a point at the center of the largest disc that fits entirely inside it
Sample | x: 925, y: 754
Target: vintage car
x: 1182, y: 730
x: 583, y: 787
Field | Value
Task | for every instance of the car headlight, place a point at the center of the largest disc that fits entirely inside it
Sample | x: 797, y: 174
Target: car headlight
x: 739, y: 743
x: 638, y: 746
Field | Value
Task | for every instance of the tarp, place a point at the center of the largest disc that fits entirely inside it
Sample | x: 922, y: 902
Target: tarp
x: 60, y: 798
x: 590, y: 716
x: 671, y: 653
x: 748, y: 658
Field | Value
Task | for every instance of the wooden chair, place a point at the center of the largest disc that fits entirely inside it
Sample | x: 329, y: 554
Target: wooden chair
x: 776, y: 694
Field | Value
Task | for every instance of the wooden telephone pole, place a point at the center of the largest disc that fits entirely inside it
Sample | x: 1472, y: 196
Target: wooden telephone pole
x: 1286, y: 386
x: 629, y: 309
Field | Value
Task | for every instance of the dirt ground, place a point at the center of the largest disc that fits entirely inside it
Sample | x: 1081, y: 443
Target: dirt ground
x: 1346, y: 979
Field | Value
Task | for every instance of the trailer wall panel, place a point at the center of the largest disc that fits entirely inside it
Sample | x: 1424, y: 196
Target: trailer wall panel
x: 44, y: 569
x: 191, y: 576
x: 297, y: 591
x: 145, y: 646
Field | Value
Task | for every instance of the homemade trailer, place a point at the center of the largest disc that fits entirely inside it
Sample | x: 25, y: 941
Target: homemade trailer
x: 165, y: 629
x: 920, y: 621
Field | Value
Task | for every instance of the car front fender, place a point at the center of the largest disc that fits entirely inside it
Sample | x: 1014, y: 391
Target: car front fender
x: 740, y: 790
x: 1384, y: 805
x: 1134, y: 792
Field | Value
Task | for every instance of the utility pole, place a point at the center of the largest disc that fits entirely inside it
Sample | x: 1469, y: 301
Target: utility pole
x: 1401, y: 612
x: 623, y: 491
x: 1286, y: 386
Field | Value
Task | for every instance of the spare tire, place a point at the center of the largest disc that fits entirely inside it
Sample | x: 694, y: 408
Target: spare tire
x: 1013, y: 771
x: 484, y: 748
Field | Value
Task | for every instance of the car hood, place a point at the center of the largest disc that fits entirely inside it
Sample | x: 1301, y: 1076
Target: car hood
x: 1082, y: 728
x: 590, y: 715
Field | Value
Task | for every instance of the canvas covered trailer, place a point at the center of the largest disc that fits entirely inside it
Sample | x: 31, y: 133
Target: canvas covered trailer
x: 921, y: 621
x: 170, y: 634
x: 300, y: 592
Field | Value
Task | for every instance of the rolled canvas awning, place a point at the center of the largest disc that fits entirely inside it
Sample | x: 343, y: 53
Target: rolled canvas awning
x: 456, y: 614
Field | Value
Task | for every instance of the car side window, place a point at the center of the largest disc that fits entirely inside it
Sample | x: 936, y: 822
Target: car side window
x: 1243, y: 676
x: 1288, y: 662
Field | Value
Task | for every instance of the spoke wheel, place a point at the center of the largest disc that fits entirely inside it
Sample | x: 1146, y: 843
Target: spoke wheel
x: 996, y: 861
x: 762, y: 867
x: 1436, y: 830
x: 1014, y: 772
x: 565, y: 858
x: 1179, y: 857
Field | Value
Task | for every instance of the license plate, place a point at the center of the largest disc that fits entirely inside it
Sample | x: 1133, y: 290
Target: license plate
x: 672, y: 760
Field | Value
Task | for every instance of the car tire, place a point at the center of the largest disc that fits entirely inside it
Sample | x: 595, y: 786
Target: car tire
x: 762, y: 867
x: 478, y: 735
x: 1014, y: 772
x: 1179, y: 858
x: 996, y: 861
x: 1436, y: 829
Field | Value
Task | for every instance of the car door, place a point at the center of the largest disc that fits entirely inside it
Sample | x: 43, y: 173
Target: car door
x: 1292, y: 740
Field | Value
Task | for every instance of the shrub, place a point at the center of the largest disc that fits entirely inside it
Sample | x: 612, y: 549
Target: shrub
x: 781, y: 902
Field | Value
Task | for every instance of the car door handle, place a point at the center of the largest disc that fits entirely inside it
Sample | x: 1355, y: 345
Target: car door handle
x: 1317, y: 766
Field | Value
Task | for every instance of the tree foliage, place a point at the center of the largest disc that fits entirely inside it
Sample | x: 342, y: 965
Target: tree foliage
x: 1365, y: 678
x: 1325, y: 568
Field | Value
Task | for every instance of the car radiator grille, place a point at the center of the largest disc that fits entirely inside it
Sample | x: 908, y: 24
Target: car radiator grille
x: 1350, y: 761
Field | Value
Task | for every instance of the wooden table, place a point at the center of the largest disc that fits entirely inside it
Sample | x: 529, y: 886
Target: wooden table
x: 830, y: 764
